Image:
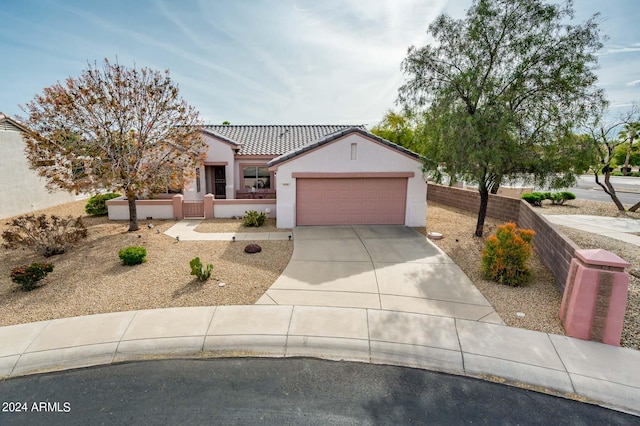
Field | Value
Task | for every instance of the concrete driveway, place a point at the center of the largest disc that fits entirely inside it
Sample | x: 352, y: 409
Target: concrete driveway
x: 376, y: 267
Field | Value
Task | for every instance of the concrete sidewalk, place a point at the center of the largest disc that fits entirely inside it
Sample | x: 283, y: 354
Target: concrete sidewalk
x: 186, y: 231
x: 622, y: 229
x: 548, y: 363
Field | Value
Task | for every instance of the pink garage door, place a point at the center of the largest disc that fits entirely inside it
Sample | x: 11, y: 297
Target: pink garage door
x: 357, y: 201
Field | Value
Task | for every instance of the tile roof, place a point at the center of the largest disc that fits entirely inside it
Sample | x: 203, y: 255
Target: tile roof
x: 338, y: 135
x: 273, y: 139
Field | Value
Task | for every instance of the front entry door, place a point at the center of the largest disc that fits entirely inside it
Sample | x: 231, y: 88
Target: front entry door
x: 216, y: 181
x: 220, y: 181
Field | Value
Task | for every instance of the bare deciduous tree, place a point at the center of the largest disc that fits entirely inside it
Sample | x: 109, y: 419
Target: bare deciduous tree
x: 114, y: 128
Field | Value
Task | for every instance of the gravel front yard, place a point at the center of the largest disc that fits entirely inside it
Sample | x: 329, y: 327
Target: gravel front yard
x: 90, y: 278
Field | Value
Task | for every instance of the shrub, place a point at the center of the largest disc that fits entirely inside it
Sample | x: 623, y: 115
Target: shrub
x: 534, y: 198
x: 97, y: 203
x: 27, y: 276
x: 559, y: 198
x: 199, y: 270
x: 133, y: 255
x: 505, y: 255
x: 253, y: 218
x: 45, y: 235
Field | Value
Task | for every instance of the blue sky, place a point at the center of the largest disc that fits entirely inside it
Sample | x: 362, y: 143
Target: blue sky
x: 263, y: 62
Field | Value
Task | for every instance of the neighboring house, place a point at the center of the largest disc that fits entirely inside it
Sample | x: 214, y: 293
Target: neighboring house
x: 303, y: 175
x: 21, y: 189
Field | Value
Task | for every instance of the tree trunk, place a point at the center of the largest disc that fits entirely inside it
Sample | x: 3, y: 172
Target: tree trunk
x: 628, y: 157
x: 495, y: 184
x: 133, y: 213
x: 635, y: 207
x: 608, y: 188
x: 482, y: 212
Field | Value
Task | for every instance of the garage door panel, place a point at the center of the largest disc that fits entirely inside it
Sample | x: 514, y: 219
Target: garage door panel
x: 351, y: 201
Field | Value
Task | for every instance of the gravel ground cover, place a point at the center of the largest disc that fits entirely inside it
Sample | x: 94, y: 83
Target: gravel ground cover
x: 540, y: 299
x: 90, y: 279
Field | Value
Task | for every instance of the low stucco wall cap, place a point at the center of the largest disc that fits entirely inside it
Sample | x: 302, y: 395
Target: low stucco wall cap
x: 601, y: 257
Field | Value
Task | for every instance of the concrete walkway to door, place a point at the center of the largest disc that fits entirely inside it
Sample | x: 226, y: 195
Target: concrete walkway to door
x: 376, y: 267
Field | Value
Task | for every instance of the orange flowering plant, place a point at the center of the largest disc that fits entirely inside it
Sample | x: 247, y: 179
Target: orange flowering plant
x: 505, y: 255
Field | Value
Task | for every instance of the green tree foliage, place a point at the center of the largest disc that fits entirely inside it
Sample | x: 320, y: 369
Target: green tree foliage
x: 397, y: 128
x: 502, y: 89
x: 627, y: 153
x: 603, y: 146
x: 114, y: 128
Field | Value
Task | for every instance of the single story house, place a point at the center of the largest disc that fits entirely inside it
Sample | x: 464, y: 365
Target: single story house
x: 300, y: 174
x: 21, y: 189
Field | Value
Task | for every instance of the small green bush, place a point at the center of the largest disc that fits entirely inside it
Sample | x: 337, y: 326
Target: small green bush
x: 199, y: 270
x: 253, y: 218
x: 505, y: 255
x: 27, y: 276
x: 559, y: 198
x: 97, y: 204
x: 534, y: 198
x: 133, y: 255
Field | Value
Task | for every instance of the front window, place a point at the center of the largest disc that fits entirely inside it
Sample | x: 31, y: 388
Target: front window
x: 256, y: 177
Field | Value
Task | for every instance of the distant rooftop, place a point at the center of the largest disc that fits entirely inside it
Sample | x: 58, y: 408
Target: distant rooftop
x: 9, y: 124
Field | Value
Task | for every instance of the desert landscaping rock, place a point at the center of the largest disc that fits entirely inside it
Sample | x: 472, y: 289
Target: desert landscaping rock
x: 252, y: 248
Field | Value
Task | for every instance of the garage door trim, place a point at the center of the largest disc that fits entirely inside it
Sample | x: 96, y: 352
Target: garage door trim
x: 350, y: 175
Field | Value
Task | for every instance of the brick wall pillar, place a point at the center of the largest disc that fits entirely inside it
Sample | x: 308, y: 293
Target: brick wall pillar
x: 177, y: 206
x: 595, y: 296
x: 208, y: 206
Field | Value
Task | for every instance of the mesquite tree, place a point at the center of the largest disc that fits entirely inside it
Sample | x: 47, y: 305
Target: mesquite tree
x: 603, y: 146
x: 501, y: 91
x: 114, y: 128
x: 630, y: 134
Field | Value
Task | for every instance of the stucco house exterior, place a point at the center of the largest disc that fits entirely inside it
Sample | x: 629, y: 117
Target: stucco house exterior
x: 21, y: 189
x: 300, y: 174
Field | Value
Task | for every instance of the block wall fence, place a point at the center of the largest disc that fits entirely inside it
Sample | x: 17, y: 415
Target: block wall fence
x: 554, y: 248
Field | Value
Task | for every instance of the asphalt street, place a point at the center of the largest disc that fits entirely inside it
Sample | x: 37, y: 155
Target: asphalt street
x: 627, y: 198
x: 280, y: 391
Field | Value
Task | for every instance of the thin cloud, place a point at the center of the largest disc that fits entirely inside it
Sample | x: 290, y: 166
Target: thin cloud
x: 633, y: 83
x: 622, y: 49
